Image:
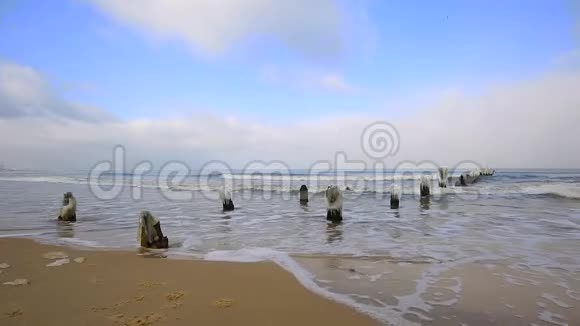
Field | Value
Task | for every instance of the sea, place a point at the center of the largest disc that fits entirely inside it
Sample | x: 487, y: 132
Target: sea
x: 502, y: 251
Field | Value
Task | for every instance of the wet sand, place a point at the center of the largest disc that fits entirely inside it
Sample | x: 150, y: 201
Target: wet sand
x: 123, y: 288
x: 502, y: 292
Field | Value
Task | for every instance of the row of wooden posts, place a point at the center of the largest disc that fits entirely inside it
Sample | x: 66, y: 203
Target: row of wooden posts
x: 151, y: 236
x: 334, y: 195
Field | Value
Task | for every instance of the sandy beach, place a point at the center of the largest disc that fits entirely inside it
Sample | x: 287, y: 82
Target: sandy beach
x: 123, y: 288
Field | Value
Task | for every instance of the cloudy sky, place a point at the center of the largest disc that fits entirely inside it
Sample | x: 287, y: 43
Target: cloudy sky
x: 495, y: 82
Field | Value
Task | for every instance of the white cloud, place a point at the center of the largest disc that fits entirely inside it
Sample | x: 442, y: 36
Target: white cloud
x: 531, y: 123
x: 314, y: 28
x: 24, y: 92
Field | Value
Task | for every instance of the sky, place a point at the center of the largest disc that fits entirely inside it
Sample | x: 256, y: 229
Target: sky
x: 493, y: 82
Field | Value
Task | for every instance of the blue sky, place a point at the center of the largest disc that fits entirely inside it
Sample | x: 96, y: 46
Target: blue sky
x: 305, y: 62
x: 417, y: 46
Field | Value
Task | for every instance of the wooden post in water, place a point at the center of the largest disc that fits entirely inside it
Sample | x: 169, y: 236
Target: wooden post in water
x: 487, y: 172
x: 333, y: 204
x: 443, y: 176
x: 425, y: 186
x: 150, y: 234
x: 68, y: 211
x: 465, y: 179
x: 303, y: 194
x: 473, y: 176
x: 227, y: 203
x: 395, y: 197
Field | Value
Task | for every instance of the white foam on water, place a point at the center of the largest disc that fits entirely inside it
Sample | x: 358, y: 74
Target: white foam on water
x: 573, y: 294
x: 455, y: 286
x: 541, y: 304
x: 565, y: 190
x: 511, y: 279
x: 267, y: 185
x: 46, y: 179
x: 283, y: 184
x: 20, y: 235
x: 192, y: 243
x: 76, y: 181
x: 375, y: 277
x: 553, y: 318
x: 240, y: 256
x: 416, y: 175
x: 552, y: 298
x: 304, y: 277
x: 75, y: 242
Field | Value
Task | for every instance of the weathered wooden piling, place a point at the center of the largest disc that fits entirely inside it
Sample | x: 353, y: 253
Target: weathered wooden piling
x: 473, y: 176
x: 226, y: 197
x: 303, y: 194
x: 395, y: 197
x: 487, y: 172
x: 150, y: 234
x: 333, y: 204
x: 443, y: 176
x: 425, y: 186
x: 467, y: 178
x: 68, y: 211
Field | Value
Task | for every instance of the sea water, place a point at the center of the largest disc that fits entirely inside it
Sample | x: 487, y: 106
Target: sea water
x: 512, y: 239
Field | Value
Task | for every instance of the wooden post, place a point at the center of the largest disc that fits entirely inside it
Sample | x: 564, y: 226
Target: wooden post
x: 303, y: 194
x: 443, y: 176
x: 425, y: 186
x: 395, y: 197
x: 150, y: 234
x: 227, y: 203
x: 334, y: 204
x: 68, y: 211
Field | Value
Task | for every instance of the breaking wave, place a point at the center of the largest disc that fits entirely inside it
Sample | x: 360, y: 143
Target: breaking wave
x: 563, y: 190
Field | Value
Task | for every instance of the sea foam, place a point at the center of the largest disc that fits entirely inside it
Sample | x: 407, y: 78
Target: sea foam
x: 305, y: 278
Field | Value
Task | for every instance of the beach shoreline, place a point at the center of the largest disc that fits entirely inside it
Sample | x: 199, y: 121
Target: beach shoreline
x: 150, y: 287
x: 124, y: 288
